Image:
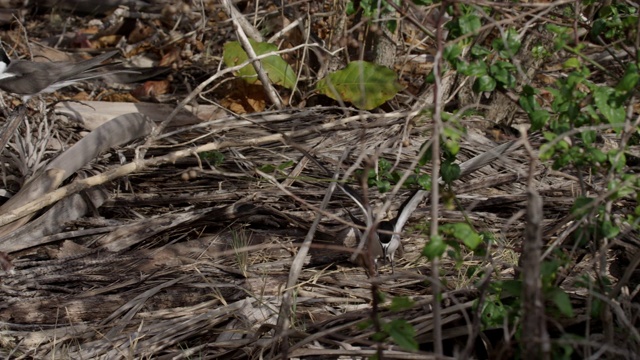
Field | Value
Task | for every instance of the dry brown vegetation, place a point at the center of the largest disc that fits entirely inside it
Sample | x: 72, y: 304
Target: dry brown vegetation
x: 176, y: 236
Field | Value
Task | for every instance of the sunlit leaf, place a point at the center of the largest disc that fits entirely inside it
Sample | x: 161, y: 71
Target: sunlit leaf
x: 402, y: 334
x: 278, y: 70
x: 365, y: 85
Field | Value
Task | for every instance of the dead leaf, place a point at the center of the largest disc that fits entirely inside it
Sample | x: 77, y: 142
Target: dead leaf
x: 245, y: 98
x: 151, y: 89
x: 171, y: 58
x: 141, y: 32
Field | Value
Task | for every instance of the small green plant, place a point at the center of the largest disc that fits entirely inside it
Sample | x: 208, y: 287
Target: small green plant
x: 276, y: 169
x: 239, y: 241
x: 399, y: 331
x: 453, y: 236
x: 213, y: 158
x: 375, y: 9
x: 615, y: 21
x: 381, y: 178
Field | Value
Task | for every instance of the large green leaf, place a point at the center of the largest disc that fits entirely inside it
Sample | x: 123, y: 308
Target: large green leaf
x: 562, y: 301
x: 402, y: 333
x: 364, y: 84
x: 279, y: 72
x: 614, y: 113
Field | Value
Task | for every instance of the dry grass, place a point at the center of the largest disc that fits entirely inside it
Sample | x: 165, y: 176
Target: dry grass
x: 189, y: 257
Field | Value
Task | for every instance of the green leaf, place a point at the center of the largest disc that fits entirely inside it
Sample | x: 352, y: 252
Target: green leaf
x: 493, y: 313
x: 557, y: 29
x: 571, y: 63
x: 379, y: 336
x: 484, y: 83
x: 597, y: 156
x: 617, y: 161
x: 434, y: 248
x: 599, y: 26
x: 508, y: 45
x: 384, y: 165
x: 278, y: 70
x: 581, y: 206
x: 469, y: 23
x: 528, y: 103
x: 428, y: 154
x: 452, y: 147
x: 478, y: 51
x: 464, y: 233
x: 609, y: 230
x: 402, y: 334
x: 364, y: 84
x: 562, y: 302
x: 351, y: 9
x: 400, y: 303
x: 588, y: 136
x: 630, y: 79
x: 450, y: 172
x: 474, y: 68
x: 452, y: 52
x: 614, y: 113
x: 512, y: 287
x: 501, y: 72
x: 364, y: 324
x: 539, y: 119
x: 267, y: 168
x: 216, y: 158
x: 424, y: 181
x: 285, y: 165
x: 383, y: 186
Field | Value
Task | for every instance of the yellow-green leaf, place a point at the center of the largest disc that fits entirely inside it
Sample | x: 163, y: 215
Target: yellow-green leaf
x: 364, y: 84
x: 278, y: 71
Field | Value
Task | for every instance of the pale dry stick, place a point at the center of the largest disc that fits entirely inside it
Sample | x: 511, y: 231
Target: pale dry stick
x: 316, y: 209
x: 292, y: 25
x: 257, y: 65
x: 296, y: 265
x: 303, y: 59
x: 535, y: 339
x: 138, y: 164
x: 240, y: 121
x: 158, y: 130
x: 11, y: 125
x: 435, y: 173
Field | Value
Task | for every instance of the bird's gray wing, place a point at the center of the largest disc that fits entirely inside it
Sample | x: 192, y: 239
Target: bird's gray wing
x: 348, y: 190
x: 466, y: 168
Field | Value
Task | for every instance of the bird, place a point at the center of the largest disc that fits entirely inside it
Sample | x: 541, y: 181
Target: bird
x: 386, y: 240
x: 383, y: 245
x: 29, y: 78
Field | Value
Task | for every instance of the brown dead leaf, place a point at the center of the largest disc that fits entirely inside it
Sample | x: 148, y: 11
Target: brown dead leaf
x: 119, y: 97
x: 171, y: 58
x: 68, y: 249
x: 141, y: 32
x: 91, y: 30
x: 151, y: 89
x: 106, y: 41
x: 81, y: 41
x: 81, y: 96
x: 245, y: 98
x: 545, y: 79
